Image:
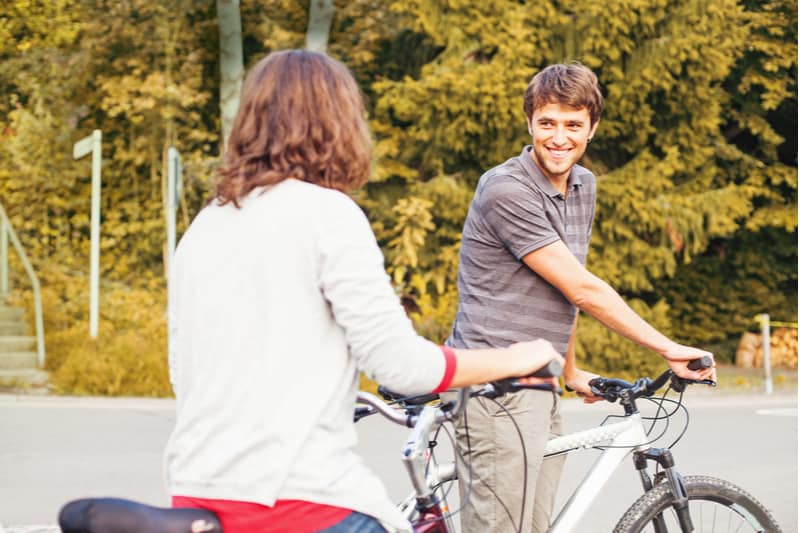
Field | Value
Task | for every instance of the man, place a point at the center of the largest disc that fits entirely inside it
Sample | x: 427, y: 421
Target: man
x: 521, y: 276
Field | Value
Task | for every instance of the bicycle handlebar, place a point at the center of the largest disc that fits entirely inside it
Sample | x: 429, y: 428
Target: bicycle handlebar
x: 701, y: 363
x: 553, y: 369
x: 612, y: 389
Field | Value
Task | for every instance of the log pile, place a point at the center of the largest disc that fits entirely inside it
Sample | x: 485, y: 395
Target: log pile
x: 782, y: 349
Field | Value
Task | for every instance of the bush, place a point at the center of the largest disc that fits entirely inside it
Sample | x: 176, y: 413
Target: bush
x: 129, y: 355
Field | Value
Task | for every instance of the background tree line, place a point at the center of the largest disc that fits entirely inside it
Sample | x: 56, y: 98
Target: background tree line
x: 696, y: 153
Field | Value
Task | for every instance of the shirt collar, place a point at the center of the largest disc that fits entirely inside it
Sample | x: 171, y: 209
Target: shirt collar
x: 573, y: 181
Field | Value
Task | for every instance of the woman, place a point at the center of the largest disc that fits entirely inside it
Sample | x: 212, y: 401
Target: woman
x: 278, y: 297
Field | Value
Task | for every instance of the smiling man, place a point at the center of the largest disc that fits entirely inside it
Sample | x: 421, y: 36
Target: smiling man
x: 522, y: 276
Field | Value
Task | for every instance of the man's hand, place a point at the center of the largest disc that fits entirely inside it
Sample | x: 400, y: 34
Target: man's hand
x: 678, y: 357
x: 578, y: 380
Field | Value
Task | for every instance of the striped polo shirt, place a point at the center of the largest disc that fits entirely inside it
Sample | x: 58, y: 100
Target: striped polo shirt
x: 514, y: 212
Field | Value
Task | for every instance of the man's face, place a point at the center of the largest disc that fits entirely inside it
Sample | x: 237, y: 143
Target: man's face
x: 560, y: 135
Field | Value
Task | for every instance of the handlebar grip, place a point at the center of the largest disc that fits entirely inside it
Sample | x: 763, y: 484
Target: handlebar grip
x: 700, y: 363
x: 552, y: 369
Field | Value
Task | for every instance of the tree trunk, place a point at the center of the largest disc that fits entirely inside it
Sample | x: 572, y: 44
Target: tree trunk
x: 231, y: 64
x: 320, y: 14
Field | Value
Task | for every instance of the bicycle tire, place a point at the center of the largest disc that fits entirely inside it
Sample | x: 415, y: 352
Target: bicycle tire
x: 709, y: 497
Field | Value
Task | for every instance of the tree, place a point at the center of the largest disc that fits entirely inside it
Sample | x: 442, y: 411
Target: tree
x: 320, y: 13
x: 672, y: 181
x: 231, y: 63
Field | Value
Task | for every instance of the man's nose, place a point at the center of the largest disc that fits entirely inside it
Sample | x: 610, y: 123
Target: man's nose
x: 559, y: 135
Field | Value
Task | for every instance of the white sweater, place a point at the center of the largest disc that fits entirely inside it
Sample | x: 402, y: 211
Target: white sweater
x: 273, y: 309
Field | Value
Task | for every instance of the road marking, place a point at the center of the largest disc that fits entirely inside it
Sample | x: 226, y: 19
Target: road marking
x: 73, y: 402
x: 29, y: 529
x: 783, y: 411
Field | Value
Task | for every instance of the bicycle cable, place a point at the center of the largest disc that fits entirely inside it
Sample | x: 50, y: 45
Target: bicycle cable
x: 524, y: 463
x: 665, y: 417
x: 449, y: 514
x: 433, y: 460
x: 656, y: 418
x: 685, y: 425
x: 473, y: 476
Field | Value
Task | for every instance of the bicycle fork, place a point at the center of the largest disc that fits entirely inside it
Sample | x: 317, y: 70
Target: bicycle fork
x: 680, y: 498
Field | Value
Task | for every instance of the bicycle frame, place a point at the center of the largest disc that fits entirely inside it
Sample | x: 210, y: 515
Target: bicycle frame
x: 619, y: 439
x: 626, y: 436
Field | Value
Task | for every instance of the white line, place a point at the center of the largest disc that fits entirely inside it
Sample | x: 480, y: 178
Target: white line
x: 75, y: 402
x: 29, y: 529
x: 786, y: 411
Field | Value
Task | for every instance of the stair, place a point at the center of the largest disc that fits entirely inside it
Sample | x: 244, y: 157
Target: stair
x: 19, y: 370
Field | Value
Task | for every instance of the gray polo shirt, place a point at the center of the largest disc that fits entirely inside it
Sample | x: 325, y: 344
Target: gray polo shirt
x: 514, y: 212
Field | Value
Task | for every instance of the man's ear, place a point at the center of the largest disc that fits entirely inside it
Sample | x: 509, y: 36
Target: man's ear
x: 594, y: 129
x: 530, y: 126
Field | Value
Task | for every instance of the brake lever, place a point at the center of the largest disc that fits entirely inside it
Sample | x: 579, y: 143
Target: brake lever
x: 361, y: 412
x: 679, y: 384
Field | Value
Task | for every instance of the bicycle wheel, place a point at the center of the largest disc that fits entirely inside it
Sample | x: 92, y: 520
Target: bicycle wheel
x: 715, y: 505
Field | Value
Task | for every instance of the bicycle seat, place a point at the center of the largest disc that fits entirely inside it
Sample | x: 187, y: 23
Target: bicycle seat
x: 115, y: 515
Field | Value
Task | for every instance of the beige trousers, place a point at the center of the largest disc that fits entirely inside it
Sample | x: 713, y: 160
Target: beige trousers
x: 493, y: 478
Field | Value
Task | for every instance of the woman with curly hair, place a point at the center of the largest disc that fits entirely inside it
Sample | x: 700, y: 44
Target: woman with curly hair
x: 278, y: 298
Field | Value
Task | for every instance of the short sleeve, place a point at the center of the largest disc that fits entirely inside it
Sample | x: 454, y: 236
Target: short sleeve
x: 515, y: 214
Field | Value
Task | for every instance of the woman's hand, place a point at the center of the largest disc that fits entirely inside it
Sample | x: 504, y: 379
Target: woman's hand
x: 533, y: 355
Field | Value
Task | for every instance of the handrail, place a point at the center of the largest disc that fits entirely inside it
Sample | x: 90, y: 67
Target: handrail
x: 37, y: 293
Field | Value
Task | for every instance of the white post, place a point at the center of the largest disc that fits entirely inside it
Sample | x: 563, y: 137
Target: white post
x: 765, y: 333
x: 174, y: 179
x: 94, y: 281
x: 4, y: 287
x: 93, y: 144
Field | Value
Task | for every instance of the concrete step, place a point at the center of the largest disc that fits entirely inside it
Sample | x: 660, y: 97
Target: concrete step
x: 10, y: 313
x: 23, y: 378
x: 18, y: 360
x: 16, y: 343
x: 12, y: 327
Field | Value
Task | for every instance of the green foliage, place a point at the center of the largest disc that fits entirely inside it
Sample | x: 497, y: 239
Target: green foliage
x: 717, y: 297
x: 600, y: 350
x: 687, y: 154
x: 696, y: 152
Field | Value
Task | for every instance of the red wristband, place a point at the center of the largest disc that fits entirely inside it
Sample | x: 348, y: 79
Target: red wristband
x: 449, y: 369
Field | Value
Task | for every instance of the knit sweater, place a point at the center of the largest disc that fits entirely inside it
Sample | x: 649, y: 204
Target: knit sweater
x: 274, y: 307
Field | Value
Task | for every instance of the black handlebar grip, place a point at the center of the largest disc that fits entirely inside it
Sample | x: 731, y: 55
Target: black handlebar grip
x: 701, y: 363
x: 552, y: 369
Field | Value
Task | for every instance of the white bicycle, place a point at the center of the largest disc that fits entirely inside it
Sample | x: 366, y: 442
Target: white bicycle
x: 670, y: 503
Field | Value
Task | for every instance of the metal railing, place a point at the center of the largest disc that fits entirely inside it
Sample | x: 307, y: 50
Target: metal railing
x: 7, y: 232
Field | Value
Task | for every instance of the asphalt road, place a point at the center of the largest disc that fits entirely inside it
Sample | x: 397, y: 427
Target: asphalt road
x: 54, y: 449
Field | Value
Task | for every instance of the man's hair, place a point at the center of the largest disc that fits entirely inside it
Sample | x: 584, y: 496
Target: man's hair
x: 572, y: 85
x: 301, y: 116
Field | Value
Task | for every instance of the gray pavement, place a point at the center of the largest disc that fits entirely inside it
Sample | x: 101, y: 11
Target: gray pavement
x: 55, y: 449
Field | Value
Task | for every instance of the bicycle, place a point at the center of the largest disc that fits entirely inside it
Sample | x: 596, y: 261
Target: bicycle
x: 670, y: 501
x: 118, y: 515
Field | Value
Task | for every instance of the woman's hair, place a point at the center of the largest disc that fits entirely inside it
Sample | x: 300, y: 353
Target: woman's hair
x: 573, y: 85
x: 301, y: 116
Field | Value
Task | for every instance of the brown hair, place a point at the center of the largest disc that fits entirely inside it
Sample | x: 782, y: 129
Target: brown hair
x: 301, y: 116
x: 573, y: 85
